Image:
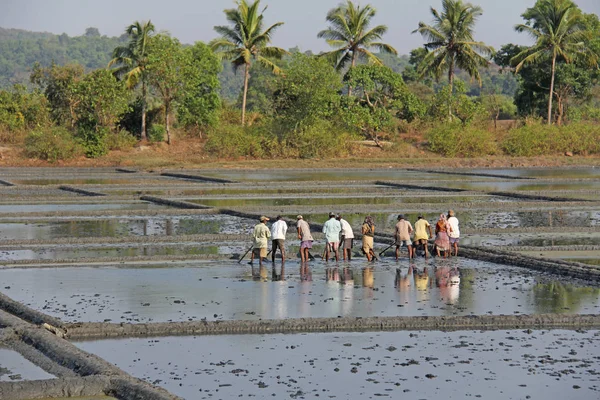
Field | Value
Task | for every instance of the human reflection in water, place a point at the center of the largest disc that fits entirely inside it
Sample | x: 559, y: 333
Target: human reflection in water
x: 368, y: 279
x: 422, y: 281
x: 332, y: 274
x: 347, y: 277
x: 448, y: 281
x: 259, y: 273
x: 281, y: 277
x: 403, y: 282
x: 305, y: 273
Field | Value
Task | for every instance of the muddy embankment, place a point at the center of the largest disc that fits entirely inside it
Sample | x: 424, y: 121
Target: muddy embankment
x: 94, y: 376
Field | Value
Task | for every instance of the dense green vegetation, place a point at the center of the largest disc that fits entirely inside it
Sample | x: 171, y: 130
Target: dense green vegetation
x: 91, y: 94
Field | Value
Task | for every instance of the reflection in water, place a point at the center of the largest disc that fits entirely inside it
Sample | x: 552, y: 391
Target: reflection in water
x: 278, y: 277
x: 332, y: 274
x: 368, y: 279
x: 305, y: 273
x: 420, y: 283
x: 448, y: 281
x: 558, y: 297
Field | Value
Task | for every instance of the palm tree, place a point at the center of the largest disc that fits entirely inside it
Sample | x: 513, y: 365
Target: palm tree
x: 132, y: 60
x: 349, y: 34
x: 451, y: 44
x: 246, y: 41
x: 558, y: 29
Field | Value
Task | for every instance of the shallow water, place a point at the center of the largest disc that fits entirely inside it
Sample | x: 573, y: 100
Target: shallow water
x: 230, y: 291
x: 526, y: 185
x: 563, y: 173
x: 308, y: 200
x: 81, y: 181
x: 332, y: 175
x: 14, y: 367
x: 534, y: 240
x: 418, y: 365
x: 25, y: 208
x: 134, y: 226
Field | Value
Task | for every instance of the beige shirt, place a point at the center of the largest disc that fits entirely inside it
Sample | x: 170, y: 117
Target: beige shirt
x: 304, y: 230
x: 403, y: 230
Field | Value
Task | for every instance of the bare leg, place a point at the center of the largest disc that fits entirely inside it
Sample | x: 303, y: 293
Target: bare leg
x: 410, y: 252
x: 455, y: 249
x: 397, y: 252
x: 337, y: 254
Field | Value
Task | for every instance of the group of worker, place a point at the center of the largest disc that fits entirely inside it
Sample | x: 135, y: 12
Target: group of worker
x: 338, y: 234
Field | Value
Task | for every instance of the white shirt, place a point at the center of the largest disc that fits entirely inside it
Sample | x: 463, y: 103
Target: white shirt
x: 453, y: 222
x: 278, y: 230
x: 346, y: 229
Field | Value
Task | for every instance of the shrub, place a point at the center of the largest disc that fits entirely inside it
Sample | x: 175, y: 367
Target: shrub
x: 121, y: 140
x: 238, y: 141
x: 51, y: 144
x: 320, y: 139
x: 537, y: 139
x: 93, y: 140
x: 457, y: 140
x: 156, y: 133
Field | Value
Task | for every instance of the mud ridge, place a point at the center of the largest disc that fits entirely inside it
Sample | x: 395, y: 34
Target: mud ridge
x: 196, y: 177
x: 90, y: 215
x: 419, y: 187
x: 6, y: 183
x: 50, y: 388
x: 550, y: 248
x: 127, y: 170
x: 536, y: 197
x: 434, y: 171
x: 85, y: 331
x: 81, y: 261
x: 81, y: 191
x: 174, y: 203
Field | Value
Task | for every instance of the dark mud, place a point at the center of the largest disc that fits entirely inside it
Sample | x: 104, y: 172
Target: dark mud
x: 196, y: 177
x: 83, y: 192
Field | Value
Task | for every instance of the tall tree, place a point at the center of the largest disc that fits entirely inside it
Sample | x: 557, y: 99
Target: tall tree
x: 451, y: 44
x: 351, y: 37
x: 246, y: 41
x: 559, y: 32
x: 132, y: 60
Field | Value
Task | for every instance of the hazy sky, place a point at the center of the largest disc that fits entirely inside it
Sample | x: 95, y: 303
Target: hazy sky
x: 193, y: 20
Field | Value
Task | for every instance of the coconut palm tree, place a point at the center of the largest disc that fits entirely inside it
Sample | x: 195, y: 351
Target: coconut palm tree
x: 351, y: 37
x: 246, y: 41
x: 131, y: 61
x: 558, y: 29
x: 450, y: 42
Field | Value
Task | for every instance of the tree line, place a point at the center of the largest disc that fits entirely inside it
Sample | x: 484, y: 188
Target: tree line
x: 301, y: 104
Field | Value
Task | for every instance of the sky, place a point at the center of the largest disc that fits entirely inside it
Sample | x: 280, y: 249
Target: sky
x: 193, y: 20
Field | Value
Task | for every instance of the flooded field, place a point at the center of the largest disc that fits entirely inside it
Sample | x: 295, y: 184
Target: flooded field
x: 101, y: 257
x: 456, y: 365
x: 233, y: 292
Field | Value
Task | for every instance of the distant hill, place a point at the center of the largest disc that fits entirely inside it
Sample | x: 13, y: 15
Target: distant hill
x: 20, y: 50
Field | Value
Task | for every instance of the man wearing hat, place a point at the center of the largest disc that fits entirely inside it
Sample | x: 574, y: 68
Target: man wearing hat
x: 278, y: 232
x: 402, y: 236
x: 332, y: 229
x: 260, y: 236
x: 305, y: 237
x: 421, y: 228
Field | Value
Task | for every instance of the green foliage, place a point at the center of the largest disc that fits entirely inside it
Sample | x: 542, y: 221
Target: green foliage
x: 19, y: 50
x: 536, y: 139
x: 51, y: 144
x: 156, y: 133
x: 450, y: 42
x: 464, y: 108
x: 457, y: 140
x: 122, y: 140
x: 234, y: 141
x: 321, y: 139
x: 351, y: 37
x: 308, y: 92
x: 59, y: 84
x: 19, y: 110
x: 381, y: 96
x: 200, y: 103
x: 93, y: 140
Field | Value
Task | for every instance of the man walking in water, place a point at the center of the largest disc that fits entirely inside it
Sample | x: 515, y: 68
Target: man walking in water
x: 278, y: 232
x: 332, y: 229
x: 402, y: 236
x: 260, y: 236
x: 454, y: 234
x: 421, y: 238
x: 346, y: 239
x: 305, y: 237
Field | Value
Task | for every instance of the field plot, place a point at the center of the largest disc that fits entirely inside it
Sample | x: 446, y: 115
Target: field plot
x: 158, y: 262
x: 457, y: 365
